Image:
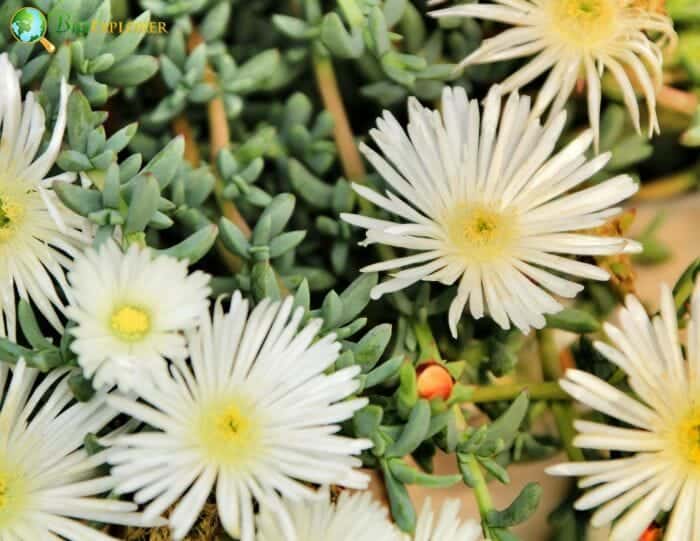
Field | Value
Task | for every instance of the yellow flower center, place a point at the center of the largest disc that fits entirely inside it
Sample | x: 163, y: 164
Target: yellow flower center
x: 688, y: 437
x: 12, y: 495
x: 130, y: 323
x: 11, y: 214
x: 481, y: 233
x: 229, y: 432
x: 584, y: 23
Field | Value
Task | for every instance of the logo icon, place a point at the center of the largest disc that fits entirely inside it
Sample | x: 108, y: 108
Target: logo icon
x: 28, y: 25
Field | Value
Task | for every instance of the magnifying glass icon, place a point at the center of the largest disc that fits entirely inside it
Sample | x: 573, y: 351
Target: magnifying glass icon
x: 28, y: 25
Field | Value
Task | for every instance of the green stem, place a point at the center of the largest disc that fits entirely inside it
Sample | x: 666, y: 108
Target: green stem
x: 428, y: 350
x: 564, y: 417
x: 668, y: 186
x: 549, y: 355
x: 548, y: 390
x: 563, y: 413
x: 481, y: 492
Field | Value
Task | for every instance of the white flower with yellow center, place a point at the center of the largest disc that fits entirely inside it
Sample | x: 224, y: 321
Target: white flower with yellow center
x: 663, y: 470
x: 130, y: 310
x: 38, y: 235
x: 254, y: 413
x: 574, y: 37
x: 353, y: 517
x: 485, y: 204
x: 49, y: 485
x: 448, y: 527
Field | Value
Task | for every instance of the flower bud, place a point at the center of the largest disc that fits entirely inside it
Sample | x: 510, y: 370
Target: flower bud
x: 652, y: 533
x: 434, y: 381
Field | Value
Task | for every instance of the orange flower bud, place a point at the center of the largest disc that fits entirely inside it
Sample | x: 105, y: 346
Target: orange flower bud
x: 434, y: 381
x: 652, y: 533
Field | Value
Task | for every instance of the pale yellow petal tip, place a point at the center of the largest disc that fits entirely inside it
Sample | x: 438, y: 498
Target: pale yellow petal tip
x: 632, y: 247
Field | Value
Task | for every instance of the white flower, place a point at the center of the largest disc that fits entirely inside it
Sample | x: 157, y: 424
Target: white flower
x: 448, y: 527
x: 485, y: 204
x: 130, y: 309
x: 663, y: 470
x: 255, y: 415
x: 357, y: 517
x: 353, y: 517
x: 49, y: 484
x: 570, y: 37
x: 38, y: 235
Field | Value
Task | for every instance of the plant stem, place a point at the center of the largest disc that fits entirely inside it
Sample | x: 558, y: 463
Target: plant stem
x: 563, y: 412
x: 564, y: 416
x: 481, y: 491
x: 668, y: 186
x: 548, y: 390
x: 677, y: 100
x: 220, y: 139
x: 427, y: 347
x: 182, y: 126
x: 350, y: 159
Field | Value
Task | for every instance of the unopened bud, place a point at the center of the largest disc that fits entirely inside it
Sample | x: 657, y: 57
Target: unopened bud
x: 434, y: 381
x: 652, y: 533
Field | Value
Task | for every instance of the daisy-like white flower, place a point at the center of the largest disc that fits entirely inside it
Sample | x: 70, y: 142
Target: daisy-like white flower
x: 485, y: 204
x: 38, y: 235
x: 352, y: 517
x: 130, y: 309
x: 571, y: 37
x: 663, y: 470
x: 49, y: 485
x: 254, y: 413
x: 449, y: 527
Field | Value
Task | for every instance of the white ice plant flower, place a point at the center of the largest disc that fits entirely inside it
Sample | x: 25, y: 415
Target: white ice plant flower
x: 254, y: 414
x: 484, y: 203
x: 49, y: 485
x: 662, y: 470
x: 448, y: 527
x: 38, y: 235
x: 353, y: 517
x: 130, y: 309
x: 573, y: 38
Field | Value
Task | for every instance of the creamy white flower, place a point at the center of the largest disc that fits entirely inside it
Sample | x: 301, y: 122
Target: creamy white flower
x: 353, y: 517
x: 254, y: 413
x: 485, y: 204
x: 663, y: 471
x: 129, y: 309
x: 449, y: 527
x: 49, y: 484
x: 574, y: 37
x: 38, y: 235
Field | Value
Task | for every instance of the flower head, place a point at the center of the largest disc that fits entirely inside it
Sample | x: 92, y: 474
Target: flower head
x: 49, y: 484
x: 485, y: 204
x: 38, y: 235
x: 662, y: 471
x: 130, y: 310
x: 448, y: 526
x: 352, y: 517
x: 569, y: 37
x: 255, y: 414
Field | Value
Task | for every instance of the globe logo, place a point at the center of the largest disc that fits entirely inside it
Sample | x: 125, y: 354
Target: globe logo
x: 29, y: 25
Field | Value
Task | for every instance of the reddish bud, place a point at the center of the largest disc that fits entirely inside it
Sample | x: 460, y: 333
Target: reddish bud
x: 434, y: 381
x: 652, y: 533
